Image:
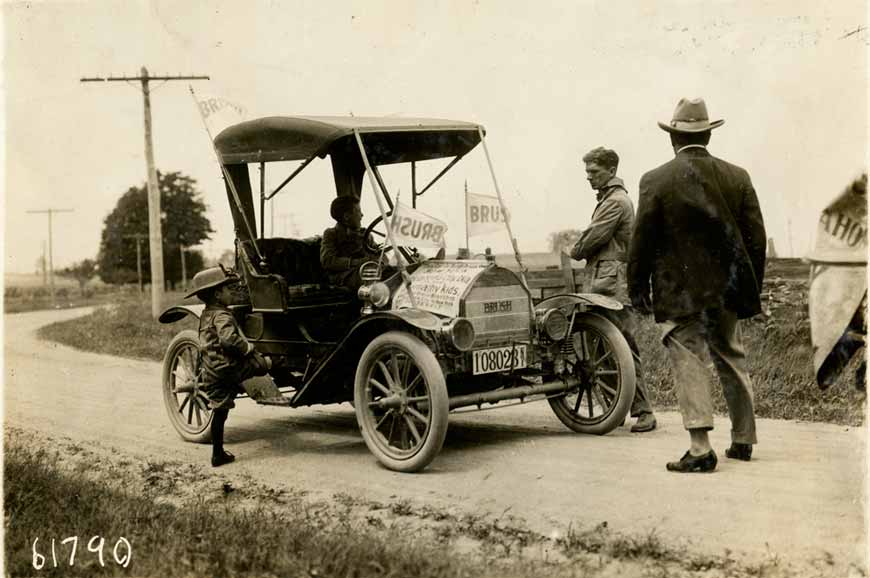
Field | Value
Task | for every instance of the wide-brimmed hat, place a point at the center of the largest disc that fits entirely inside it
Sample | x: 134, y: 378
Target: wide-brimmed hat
x: 691, y: 116
x: 211, y: 278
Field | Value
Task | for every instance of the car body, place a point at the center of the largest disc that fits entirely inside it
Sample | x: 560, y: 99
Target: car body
x: 436, y: 336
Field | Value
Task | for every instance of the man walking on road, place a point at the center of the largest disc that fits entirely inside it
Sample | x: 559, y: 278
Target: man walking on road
x: 697, y: 261
x: 604, y: 245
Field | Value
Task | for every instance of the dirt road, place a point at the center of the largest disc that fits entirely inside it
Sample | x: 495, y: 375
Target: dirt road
x: 800, y: 498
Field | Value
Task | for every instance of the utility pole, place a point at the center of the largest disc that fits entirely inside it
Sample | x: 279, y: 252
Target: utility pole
x: 50, y: 258
x: 139, y: 238
x: 154, y: 229
x: 44, y: 267
x: 183, y: 269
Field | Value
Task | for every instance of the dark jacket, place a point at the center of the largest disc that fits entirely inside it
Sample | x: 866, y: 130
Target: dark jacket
x: 342, y: 251
x: 699, y: 238
x: 223, y: 346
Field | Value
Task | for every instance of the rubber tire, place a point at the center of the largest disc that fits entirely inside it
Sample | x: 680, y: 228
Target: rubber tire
x: 182, y: 340
x: 440, y: 404
x: 625, y: 391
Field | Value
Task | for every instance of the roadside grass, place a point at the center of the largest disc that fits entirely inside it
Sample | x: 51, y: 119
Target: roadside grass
x: 208, y: 537
x: 125, y: 329
x: 779, y: 357
x: 49, y: 495
x: 21, y: 299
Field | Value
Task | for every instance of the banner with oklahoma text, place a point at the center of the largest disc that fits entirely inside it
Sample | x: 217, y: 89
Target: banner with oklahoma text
x: 839, y: 275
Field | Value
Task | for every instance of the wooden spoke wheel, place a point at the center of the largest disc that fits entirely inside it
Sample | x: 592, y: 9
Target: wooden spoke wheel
x: 401, y: 403
x: 601, y: 359
x: 185, y: 403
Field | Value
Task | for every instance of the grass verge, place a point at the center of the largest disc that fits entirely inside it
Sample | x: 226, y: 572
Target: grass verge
x: 182, y: 521
x: 125, y: 329
x: 779, y: 357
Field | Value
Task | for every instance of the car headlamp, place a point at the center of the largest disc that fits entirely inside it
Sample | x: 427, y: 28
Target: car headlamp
x: 554, y: 324
x: 460, y: 333
x: 378, y: 294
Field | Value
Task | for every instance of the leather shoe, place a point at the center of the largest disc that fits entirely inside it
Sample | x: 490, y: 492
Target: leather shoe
x: 689, y: 463
x: 645, y: 422
x: 739, y: 451
x: 221, y: 459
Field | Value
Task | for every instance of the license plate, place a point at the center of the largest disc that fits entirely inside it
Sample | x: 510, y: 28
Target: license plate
x: 499, y: 359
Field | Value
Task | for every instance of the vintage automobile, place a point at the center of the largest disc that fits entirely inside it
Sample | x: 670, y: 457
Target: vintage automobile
x: 406, y: 350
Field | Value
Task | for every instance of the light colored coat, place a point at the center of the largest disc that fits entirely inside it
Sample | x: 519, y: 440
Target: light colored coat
x: 604, y: 244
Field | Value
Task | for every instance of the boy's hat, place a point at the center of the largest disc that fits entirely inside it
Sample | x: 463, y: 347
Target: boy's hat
x: 211, y: 278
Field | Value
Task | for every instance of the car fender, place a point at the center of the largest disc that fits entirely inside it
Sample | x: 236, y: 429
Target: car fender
x: 179, y: 312
x: 417, y: 317
x: 585, y: 300
x: 322, y: 386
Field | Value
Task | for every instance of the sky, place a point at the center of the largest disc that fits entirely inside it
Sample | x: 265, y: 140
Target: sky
x: 548, y: 80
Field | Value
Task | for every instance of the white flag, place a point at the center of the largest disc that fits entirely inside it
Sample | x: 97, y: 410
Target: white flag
x: 413, y: 228
x: 483, y: 214
x: 218, y: 113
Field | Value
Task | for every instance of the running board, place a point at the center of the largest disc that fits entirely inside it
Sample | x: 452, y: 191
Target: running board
x: 276, y: 400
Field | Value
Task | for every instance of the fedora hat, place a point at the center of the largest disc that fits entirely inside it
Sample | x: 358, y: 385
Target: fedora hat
x: 211, y: 278
x: 691, y: 116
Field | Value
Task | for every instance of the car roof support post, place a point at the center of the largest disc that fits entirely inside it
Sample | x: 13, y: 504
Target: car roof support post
x: 228, y: 179
x: 291, y: 177
x: 262, y: 200
x: 406, y: 278
x: 507, y: 221
x: 455, y: 160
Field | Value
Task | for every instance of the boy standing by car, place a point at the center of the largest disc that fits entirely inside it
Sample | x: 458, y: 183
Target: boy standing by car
x: 227, y: 357
x: 604, y: 245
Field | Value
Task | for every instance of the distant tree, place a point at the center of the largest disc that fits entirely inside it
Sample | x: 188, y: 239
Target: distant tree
x: 227, y: 259
x: 183, y: 223
x: 83, y: 271
x: 194, y: 262
x: 563, y: 239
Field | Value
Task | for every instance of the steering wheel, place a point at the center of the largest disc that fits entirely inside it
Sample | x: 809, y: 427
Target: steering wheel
x: 410, y: 254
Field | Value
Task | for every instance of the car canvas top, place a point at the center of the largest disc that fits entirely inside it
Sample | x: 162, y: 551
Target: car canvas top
x: 390, y: 139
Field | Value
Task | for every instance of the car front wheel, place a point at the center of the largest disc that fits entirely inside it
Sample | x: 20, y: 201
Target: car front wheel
x: 401, y: 402
x: 601, y: 361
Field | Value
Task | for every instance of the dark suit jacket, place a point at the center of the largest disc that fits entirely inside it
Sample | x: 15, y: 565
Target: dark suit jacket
x: 699, y: 238
x: 342, y: 251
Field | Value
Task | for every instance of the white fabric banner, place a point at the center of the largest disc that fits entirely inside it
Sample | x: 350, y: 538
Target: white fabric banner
x: 483, y: 214
x: 218, y: 113
x: 439, y: 286
x: 413, y: 228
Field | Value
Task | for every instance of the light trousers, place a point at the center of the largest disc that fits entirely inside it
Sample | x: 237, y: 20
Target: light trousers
x: 696, y: 344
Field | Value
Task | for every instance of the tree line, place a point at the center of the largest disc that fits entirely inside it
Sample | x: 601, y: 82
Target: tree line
x: 183, y: 222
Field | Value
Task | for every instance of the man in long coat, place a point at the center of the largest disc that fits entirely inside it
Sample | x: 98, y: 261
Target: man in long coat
x: 696, y: 260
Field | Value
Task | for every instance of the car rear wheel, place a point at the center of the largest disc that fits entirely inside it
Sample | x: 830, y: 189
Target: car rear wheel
x: 599, y: 357
x: 185, y: 403
x: 401, y: 403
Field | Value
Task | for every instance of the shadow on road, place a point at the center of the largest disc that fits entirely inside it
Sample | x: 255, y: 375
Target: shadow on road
x: 337, y: 433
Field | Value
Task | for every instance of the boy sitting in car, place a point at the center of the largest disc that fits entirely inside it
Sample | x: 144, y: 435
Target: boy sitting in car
x: 344, y: 247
